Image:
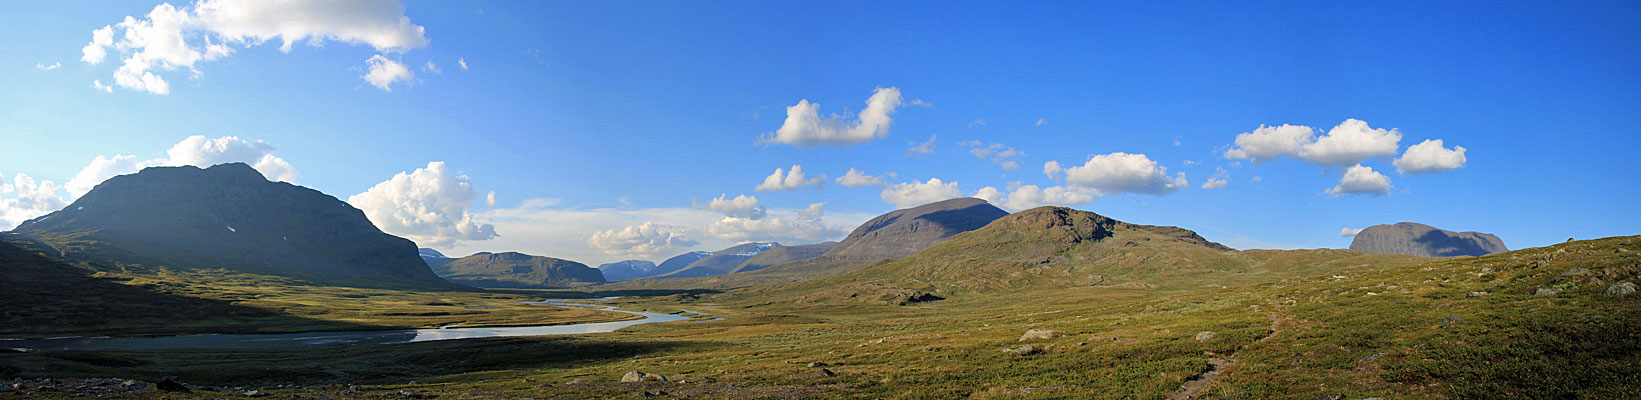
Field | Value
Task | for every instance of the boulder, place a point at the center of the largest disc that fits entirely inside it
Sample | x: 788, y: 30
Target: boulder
x: 1543, y: 291
x: 1041, y: 334
x: 1621, y: 289
x: 636, y: 376
x: 1205, y: 336
x: 1023, y: 351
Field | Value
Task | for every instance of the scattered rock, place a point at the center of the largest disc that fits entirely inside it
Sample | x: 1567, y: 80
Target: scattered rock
x: 1544, y: 291
x: 1451, y: 321
x: 1621, y: 289
x: 172, y: 386
x: 1331, y: 397
x: 1023, y: 351
x: 827, y: 372
x: 816, y: 364
x: 574, y: 382
x: 1474, y: 295
x: 637, y: 376
x: 132, y: 384
x: 255, y: 393
x: 1041, y: 334
x: 1576, y: 272
x: 1205, y: 336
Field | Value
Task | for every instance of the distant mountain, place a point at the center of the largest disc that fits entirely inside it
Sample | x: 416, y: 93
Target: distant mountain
x: 678, y: 262
x: 626, y: 270
x: 896, y: 234
x: 515, y: 270
x: 1425, y: 241
x: 430, y: 253
x: 228, y: 216
x: 722, y: 261
x: 783, y: 255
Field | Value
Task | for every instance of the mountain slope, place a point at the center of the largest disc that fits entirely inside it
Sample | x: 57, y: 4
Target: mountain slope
x: 626, y: 270
x: 230, y: 217
x: 722, y: 261
x: 1425, y: 241
x: 783, y: 255
x: 678, y: 262
x: 515, y: 270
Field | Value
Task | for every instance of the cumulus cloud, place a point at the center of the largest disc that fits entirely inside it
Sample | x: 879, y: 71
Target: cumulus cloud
x: 856, y: 178
x: 462, y: 62
x: 784, y: 180
x: 804, y: 127
x: 1348, y: 232
x: 1268, y: 142
x: 1218, y: 180
x: 742, y: 206
x: 1430, y: 157
x: 1031, y: 196
x: 913, y: 194
x: 1121, y: 173
x: 169, y: 38
x: 429, y: 206
x: 431, y: 67
x: 1351, y: 142
x: 383, y: 72
x: 801, y: 226
x: 924, y: 148
x: 1361, y: 180
x: 24, y: 198
x: 999, y: 154
x: 194, y: 150
x: 490, y: 199
x: 647, y: 240
x: 1053, y: 170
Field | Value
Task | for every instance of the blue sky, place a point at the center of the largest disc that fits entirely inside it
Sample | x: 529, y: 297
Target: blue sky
x: 589, y: 118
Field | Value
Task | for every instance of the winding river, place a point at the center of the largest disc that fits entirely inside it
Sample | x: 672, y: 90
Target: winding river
x: 276, y: 340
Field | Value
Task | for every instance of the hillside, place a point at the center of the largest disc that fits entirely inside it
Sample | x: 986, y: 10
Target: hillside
x: 783, y: 255
x: 1425, y: 241
x: 228, y: 217
x: 515, y: 270
x: 721, y: 261
x: 626, y: 270
x: 677, y: 262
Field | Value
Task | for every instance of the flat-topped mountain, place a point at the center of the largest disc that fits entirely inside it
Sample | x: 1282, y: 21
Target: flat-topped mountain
x: 722, y: 261
x: 515, y: 270
x: 903, y: 232
x: 227, y: 216
x: 626, y: 270
x: 1425, y: 241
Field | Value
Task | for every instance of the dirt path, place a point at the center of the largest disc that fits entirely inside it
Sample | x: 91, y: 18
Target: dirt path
x: 1194, y: 386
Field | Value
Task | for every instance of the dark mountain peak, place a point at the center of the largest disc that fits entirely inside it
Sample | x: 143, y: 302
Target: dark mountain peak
x: 720, y: 262
x: 1422, y: 240
x: 227, y: 216
x: 516, y: 270
x: 430, y: 253
x: 903, y: 232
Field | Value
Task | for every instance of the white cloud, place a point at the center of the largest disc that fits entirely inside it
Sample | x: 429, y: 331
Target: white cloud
x: 170, y: 38
x: 647, y: 240
x: 431, y: 67
x: 1430, y: 157
x: 490, y: 199
x: 977, y: 122
x: 383, y: 72
x: 1352, y: 142
x: 999, y: 154
x: 1042, y: 121
x: 98, y: 84
x: 804, y: 126
x: 856, y: 178
x: 99, y: 170
x: 429, y: 206
x: 742, y: 206
x: 462, y: 61
x: 782, y: 180
x: 194, y: 150
x: 1268, y: 142
x: 1031, y: 196
x: 913, y: 194
x: 1217, y: 181
x: 801, y: 226
x: 24, y: 198
x: 1053, y: 170
x: 1348, y: 232
x: 1123, y: 173
x: 921, y: 148
x: 1361, y: 180
x: 201, y: 152
x: 44, y: 67
x: 101, y: 38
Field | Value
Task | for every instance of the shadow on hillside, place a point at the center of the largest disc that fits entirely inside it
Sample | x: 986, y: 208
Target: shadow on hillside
x: 1443, y: 245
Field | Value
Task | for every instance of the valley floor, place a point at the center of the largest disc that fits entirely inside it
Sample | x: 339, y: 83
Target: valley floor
x: 1536, y: 323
